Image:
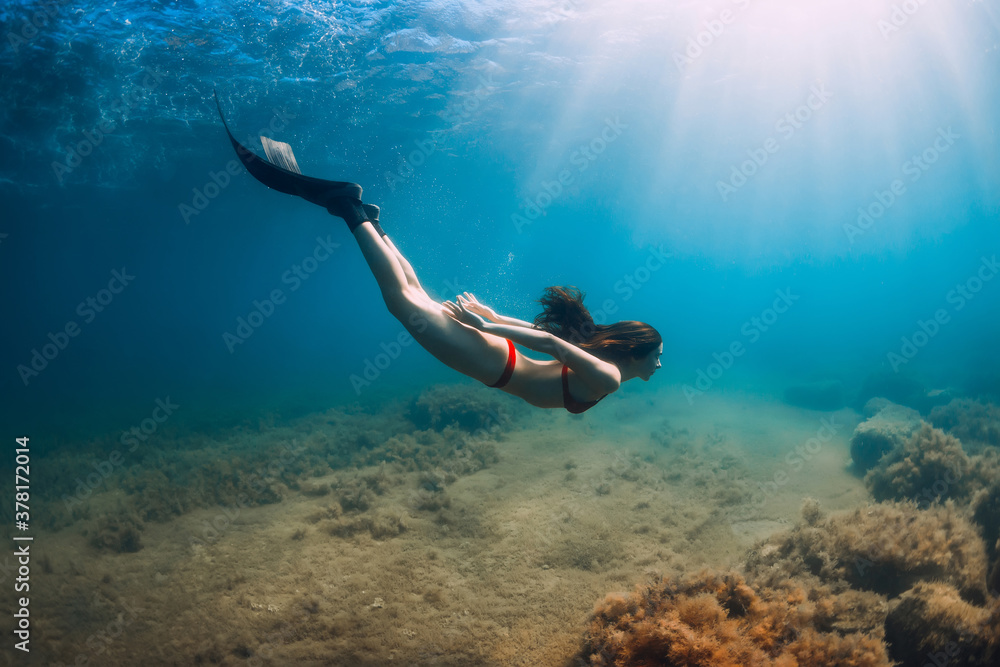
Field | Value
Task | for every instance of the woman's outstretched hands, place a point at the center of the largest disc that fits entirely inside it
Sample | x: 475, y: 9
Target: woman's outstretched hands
x: 472, y: 304
x: 463, y: 311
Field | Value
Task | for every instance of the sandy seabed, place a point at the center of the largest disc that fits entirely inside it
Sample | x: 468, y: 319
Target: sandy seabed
x: 499, y: 564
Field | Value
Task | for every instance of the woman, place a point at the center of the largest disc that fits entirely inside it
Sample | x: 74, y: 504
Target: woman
x: 589, y: 361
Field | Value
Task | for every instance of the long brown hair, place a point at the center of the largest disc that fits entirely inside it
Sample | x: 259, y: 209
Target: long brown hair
x: 564, y: 316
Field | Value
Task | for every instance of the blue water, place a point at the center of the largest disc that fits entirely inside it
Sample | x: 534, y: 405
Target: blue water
x: 743, y: 160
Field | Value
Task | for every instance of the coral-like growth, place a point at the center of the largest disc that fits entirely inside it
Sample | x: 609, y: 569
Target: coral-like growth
x: 991, y: 629
x: 986, y: 513
x: 356, y: 496
x: 975, y: 423
x: 898, y: 388
x: 120, y: 533
x: 929, y: 564
x: 589, y: 554
x: 380, y: 526
x: 471, y: 409
x: 929, y: 466
x: 811, y: 512
x: 887, y: 427
x: 451, y: 450
x: 993, y: 580
x: 885, y: 548
x: 431, y: 495
x: 667, y: 436
x: 852, y: 650
x: 262, y: 466
x: 429, y: 501
x: 931, y: 619
x: 888, y: 582
x: 719, y: 620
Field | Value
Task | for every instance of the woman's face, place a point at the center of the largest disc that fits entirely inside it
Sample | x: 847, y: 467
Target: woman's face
x: 649, y: 363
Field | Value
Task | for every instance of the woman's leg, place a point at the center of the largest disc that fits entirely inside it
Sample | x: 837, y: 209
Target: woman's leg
x: 384, y: 264
x: 411, y: 276
x: 467, y: 350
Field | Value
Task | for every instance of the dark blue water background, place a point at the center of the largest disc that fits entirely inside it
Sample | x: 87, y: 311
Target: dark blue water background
x: 460, y: 118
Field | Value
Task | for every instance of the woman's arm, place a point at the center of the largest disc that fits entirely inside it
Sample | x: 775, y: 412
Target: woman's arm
x: 601, y: 376
x: 529, y: 337
x: 472, y: 304
x: 513, y: 321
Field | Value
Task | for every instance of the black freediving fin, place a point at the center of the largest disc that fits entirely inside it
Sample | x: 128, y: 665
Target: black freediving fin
x: 281, y: 172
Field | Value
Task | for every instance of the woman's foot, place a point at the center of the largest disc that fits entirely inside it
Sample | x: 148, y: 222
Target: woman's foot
x: 348, y: 206
x: 354, y: 212
x: 372, y: 211
x: 281, y: 172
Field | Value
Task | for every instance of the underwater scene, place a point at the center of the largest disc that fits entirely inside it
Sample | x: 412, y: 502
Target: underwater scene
x: 482, y: 333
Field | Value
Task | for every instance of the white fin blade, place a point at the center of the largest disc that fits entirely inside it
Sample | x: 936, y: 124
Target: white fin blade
x: 281, y: 154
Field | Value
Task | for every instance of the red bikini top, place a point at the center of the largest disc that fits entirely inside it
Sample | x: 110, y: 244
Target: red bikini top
x: 570, y: 403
